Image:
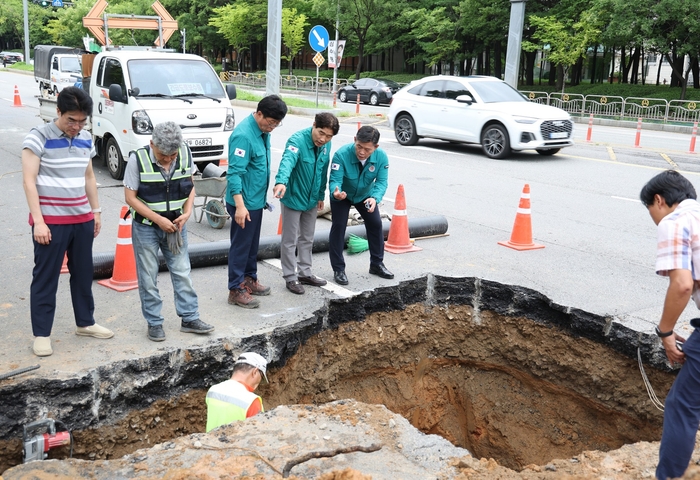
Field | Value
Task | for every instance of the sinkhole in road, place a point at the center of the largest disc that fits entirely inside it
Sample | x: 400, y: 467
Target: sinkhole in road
x: 500, y: 382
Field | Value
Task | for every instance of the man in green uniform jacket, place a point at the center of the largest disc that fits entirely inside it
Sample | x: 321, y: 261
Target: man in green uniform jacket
x: 301, y: 185
x: 248, y: 178
x: 359, y: 175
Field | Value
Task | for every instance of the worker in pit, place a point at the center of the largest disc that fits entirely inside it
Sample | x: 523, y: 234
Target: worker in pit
x: 671, y: 201
x: 234, y: 400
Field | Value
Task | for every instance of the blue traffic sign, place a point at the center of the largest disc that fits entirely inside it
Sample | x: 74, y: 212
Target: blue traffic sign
x: 318, y: 38
x: 57, y: 3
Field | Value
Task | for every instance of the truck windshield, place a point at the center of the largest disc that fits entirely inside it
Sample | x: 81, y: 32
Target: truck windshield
x: 71, y: 64
x: 169, y: 77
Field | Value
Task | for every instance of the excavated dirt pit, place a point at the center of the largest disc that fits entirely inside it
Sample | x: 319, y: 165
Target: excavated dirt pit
x: 498, y: 370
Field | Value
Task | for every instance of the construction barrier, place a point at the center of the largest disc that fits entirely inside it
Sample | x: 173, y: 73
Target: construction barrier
x: 692, y: 138
x: 124, y: 271
x: 357, y: 105
x: 590, y: 128
x: 398, y: 240
x: 521, y: 238
x: 639, y: 133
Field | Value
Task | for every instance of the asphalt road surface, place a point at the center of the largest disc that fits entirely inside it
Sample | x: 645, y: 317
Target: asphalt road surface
x: 599, y: 240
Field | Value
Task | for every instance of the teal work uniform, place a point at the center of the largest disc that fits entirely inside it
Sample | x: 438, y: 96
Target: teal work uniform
x: 303, y: 171
x: 248, y: 164
x: 359, y: 183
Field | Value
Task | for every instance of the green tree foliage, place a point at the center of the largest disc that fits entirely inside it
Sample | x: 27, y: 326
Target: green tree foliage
x: 293, y: 25
x: 241, y: 24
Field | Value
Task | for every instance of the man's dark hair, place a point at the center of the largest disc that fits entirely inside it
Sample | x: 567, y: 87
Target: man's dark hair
x: 273, y: 107
x: 242, y: 367
x: 327, y: 120
x: 671, y: 186
x: 73, y: 99
x: 367, y: 134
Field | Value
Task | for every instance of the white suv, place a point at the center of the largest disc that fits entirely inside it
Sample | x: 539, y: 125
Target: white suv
x: 478, y: 109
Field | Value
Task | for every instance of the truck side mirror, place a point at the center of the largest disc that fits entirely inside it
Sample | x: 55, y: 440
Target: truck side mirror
x: 116, y: 94
x: 231, y: 91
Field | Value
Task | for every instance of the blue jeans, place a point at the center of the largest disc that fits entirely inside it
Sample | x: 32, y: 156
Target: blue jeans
x: 681, y: 413
x: 147, y: 240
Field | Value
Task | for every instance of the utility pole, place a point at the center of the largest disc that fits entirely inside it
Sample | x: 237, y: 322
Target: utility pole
x: 335, y: 69
x: 274, y: 46
x: 26, y: 31
x: 183, y: 32
x: 515, y: 39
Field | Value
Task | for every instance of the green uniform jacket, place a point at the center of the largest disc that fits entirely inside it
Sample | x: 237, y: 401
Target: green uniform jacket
x: 303, y: 171
x: 248, y: 164
x: 346, y: 175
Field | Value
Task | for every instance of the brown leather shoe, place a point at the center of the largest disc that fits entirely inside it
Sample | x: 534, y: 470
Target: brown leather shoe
x: 313, y: 280
x: 254, y: 287
x: 295, y: 287
x: 242, y: 298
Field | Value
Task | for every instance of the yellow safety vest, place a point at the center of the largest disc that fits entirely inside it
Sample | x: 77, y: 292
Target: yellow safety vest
x: 228, y: 402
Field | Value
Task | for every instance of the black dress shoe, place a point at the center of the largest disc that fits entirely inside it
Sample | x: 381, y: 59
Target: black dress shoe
x: 380, y: 270
x: 340, y: 277
x: 295, y: 287
x: 312, y: 280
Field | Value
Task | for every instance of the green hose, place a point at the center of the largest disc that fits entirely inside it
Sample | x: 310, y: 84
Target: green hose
x: 357, y: 244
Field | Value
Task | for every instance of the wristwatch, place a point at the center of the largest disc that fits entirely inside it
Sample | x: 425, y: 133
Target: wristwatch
x: 663, y: 334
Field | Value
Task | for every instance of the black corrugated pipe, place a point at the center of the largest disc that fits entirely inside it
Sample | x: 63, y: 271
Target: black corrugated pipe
x: 210, y: 254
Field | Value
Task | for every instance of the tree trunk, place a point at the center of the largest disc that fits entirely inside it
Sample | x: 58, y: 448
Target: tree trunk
x: 552, y: 74
x: 593, y: 64
x: 660, y: 59
x: 634, y: 78
x: 497, y: 60
x: 612, y: 65
x: 487, y: 61
x: 695, y: 67
x: 560, y: 78
x: 480, y: 64
x: 623, y: 65
x: 530, y: 58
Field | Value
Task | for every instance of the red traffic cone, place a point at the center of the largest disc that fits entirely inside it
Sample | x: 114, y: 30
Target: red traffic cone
x: 64, y: 267
x: 124, y: 271
x: 398, y: 240
x: 521, y: 238
x: 223, y: 163
x: 18, y: 101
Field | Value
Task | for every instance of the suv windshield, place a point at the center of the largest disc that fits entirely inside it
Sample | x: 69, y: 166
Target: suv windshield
x: 174, y: 77
x: 491, y: 92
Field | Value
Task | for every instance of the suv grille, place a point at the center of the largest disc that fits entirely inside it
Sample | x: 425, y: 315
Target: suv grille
x: 549, y: 127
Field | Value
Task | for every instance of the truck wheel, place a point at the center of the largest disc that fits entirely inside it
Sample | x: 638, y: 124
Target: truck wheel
x: 113, y: 158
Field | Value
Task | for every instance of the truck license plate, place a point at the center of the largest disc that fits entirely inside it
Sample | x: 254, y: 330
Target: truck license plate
x: 198, y: 142
x: 558, y: 135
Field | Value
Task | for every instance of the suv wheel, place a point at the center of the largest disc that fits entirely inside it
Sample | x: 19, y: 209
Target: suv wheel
x: 494, y: 141
x: 405, y: 130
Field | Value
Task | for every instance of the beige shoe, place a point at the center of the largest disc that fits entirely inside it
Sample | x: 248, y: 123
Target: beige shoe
x: 42, y: 346
x: 95, y: 331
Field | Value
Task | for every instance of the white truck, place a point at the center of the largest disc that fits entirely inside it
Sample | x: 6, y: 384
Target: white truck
x: 56, y: 67
x: 135, y: 88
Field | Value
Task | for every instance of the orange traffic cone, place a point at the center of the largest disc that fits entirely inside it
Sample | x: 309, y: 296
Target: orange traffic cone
x: 398, y: 240
x: 521, y: 238
x: 124, y: 271
x: 279, y: 226
x: 18, y: 101
x: 64, y: 267
x: 223, y: 163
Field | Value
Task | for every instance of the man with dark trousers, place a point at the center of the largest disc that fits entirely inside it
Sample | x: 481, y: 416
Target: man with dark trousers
x: 248, y: 178
x: 359, y: 174
x: 64, y: 212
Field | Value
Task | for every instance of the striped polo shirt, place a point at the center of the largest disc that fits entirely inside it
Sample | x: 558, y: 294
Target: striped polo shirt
x: 61, y: 179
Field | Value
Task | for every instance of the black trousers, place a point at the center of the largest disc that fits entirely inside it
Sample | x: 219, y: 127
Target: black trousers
x: 336, y: 240
x: 75, y: 240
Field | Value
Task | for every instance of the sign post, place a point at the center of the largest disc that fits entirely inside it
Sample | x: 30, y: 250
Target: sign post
x: 318, y: 40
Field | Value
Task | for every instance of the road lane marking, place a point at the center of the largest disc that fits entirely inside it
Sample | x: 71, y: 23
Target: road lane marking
x: 611, y: 154
x: 636, y: 200
x: 330, y: 286
x: 410, y: 159
x: 648, y: 167
x: 670, y: 162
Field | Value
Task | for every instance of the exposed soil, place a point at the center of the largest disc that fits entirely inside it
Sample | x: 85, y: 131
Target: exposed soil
x: 505, y: 388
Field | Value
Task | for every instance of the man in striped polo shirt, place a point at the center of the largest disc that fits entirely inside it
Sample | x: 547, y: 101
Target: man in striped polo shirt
x: 64, y: 213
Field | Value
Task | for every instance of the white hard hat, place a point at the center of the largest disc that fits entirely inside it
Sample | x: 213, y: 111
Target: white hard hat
x: 256, y: 360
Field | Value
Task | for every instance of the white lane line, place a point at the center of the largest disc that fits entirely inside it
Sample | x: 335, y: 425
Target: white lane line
x: 330, y: 286
x: 636, y: 200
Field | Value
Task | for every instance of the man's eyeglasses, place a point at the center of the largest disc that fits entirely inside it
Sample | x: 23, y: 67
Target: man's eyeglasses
x: 77, y: 123
x: 272, y: 124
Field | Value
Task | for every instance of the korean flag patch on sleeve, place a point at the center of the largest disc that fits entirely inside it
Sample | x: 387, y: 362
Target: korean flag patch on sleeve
x: 335, y: 166
x: 292, y: 149
x: 239, y: 152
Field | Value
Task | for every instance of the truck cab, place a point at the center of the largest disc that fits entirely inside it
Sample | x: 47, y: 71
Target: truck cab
x: 133, y: 90
x: 56, y: 68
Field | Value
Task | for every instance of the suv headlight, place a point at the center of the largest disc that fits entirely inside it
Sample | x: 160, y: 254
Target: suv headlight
x: 141, y: 123
x: 230, y: 120
x: 520, y: 119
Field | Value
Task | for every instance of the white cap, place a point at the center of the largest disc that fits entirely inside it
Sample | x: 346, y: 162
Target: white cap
x: 256, y: 360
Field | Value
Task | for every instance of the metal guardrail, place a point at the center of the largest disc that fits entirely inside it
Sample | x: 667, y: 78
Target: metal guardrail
x: 610, y: 106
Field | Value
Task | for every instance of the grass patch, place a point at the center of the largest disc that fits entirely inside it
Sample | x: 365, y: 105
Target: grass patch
x: 22, y: 66
x: 290, y: 101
